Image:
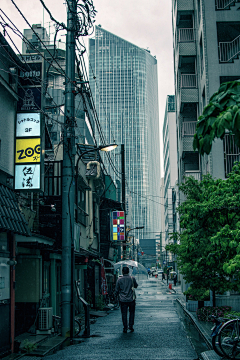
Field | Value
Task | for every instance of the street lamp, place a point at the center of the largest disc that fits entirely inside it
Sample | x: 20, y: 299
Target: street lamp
x: 105, y: 148
x: 136, y: 228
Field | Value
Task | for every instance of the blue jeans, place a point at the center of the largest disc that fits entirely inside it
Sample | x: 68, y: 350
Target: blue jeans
x: 124, y: 309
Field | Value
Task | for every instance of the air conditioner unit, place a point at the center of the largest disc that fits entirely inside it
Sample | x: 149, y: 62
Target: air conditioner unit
x: 45, y: 318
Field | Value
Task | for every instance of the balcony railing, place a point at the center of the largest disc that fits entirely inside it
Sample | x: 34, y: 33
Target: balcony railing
x: 195, y: 173
x: 188, y: 81
x: 189, y: 128
x: 185, y: 35
x: 229, y: 50
x: 224, y: 4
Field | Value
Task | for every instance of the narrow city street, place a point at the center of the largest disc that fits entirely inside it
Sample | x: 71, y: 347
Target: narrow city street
x: 159, y: 332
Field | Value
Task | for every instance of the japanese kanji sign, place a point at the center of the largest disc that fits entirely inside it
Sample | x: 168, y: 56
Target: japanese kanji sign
x: 27, y: 176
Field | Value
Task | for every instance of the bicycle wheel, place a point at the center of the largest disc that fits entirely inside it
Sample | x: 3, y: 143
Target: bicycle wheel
x: 229, y: 340
x: 77, y: 327
x: 216, y: 347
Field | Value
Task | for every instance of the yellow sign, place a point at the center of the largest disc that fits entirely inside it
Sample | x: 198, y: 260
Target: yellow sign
x: 28, y: 150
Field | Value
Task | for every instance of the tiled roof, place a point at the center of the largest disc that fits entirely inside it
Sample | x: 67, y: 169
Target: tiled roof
x: 11, y: 218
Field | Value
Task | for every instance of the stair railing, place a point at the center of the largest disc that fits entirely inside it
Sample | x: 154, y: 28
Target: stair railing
x: 229, y: 50
x: 223, y: 4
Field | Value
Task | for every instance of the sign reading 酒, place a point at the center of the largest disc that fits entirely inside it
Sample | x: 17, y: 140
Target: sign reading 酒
x: 28, y: 124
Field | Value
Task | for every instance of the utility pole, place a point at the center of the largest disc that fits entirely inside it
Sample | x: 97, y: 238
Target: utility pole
x: 68, y: 188
x: 123, y: 198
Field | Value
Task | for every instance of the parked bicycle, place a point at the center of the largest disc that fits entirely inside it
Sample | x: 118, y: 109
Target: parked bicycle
x: 112, y: 301
x: 229, y: 339
x: 57, y: 325
x: 218, y: 323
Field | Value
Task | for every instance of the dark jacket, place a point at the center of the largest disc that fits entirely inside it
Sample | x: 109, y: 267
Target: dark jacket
x: 124, y: 288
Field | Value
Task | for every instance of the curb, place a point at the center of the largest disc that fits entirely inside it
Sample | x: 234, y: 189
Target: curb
x: 198, y: 326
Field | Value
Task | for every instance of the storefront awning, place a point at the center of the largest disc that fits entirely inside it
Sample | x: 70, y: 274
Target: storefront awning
x: 11, y: 218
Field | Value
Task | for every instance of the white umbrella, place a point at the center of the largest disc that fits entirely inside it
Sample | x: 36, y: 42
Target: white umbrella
x: 138, y: 268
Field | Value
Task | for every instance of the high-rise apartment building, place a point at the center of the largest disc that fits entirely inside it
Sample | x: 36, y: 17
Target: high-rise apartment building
x: 170, y: 166
x: 123, y: 80
x: 206, y: 41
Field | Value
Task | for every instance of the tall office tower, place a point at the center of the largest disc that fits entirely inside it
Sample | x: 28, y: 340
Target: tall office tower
x: 170, y: 166
x: 123, y: 79
x: 206, y: 41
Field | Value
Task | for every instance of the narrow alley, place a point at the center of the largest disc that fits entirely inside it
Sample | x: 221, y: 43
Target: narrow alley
x: 159, y: 333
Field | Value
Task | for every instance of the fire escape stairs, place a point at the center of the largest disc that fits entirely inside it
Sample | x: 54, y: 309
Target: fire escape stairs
x: 225, y: 4
x: 229, y: 51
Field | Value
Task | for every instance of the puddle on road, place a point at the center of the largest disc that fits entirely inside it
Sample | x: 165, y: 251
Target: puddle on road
x: 192, y: 333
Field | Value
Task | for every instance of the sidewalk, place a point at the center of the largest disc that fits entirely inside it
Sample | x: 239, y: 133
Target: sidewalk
x: 203, y: 327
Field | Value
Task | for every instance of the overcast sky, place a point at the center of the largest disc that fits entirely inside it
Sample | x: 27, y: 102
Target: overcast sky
x: 145, y: 23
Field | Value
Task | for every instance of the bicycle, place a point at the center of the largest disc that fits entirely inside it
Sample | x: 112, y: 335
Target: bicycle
x: 229, y: 339
x: 111, y: 301
x: 57, y: 325
x: 218, y: 323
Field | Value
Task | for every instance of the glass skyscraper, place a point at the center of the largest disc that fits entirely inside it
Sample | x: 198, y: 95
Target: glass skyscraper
x: 123, y: 81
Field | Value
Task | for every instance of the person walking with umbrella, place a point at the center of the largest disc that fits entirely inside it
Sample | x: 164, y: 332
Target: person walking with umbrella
x: 125, y: 290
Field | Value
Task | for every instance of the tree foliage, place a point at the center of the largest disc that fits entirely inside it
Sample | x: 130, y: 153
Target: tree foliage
x: 208, y: 246
x: 221, y: 114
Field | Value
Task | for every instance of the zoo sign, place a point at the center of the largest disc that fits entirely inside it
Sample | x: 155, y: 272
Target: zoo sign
x: 28, y: 150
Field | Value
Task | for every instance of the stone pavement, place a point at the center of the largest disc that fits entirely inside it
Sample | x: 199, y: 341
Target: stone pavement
x: 159, y: 334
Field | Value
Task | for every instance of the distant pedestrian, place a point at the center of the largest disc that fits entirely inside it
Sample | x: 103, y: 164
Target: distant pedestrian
x: 167, y: 275
x: 124, y: 289
x: 163, y: 276
x: 175, y: 279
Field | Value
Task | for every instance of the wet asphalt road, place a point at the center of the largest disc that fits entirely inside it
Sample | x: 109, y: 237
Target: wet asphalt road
x: 159, y: 333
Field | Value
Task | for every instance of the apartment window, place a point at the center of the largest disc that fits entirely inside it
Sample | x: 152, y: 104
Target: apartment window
x: 224, y: 79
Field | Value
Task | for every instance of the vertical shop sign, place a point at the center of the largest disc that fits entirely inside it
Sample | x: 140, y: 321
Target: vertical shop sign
x: 29, y: 142
x: 118, y: 226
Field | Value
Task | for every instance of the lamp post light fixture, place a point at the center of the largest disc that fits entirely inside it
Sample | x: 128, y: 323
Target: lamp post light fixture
x: 106, y: 148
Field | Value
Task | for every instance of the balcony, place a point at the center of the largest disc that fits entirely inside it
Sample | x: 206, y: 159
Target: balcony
x: 188, y: 90
x: 188, y: 81
x: 185, y: 6
x: 186, y: 45
x: 195, y: 173
x: 185, y: 35
x: 189, y: 128
x: 187, y: 144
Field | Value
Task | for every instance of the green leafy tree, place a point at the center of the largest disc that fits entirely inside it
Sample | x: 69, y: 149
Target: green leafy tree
x: 221, y: 114
x: 208, y: 247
